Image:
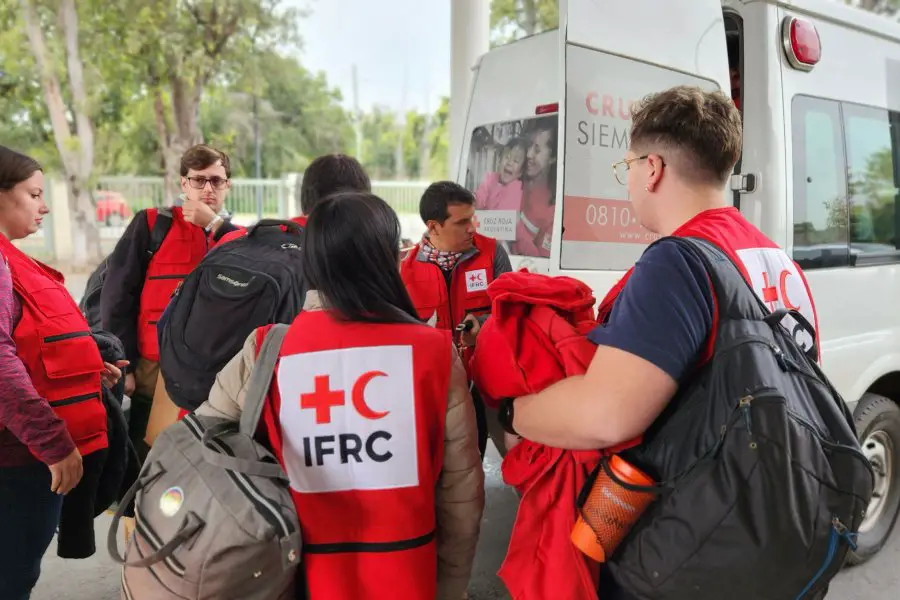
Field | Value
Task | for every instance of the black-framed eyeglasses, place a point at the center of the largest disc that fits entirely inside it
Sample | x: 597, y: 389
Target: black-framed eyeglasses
x: 620, y: 169
x: 198, y: 183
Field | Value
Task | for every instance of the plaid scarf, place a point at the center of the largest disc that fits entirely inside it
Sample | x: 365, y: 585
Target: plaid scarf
x: 444, y: 259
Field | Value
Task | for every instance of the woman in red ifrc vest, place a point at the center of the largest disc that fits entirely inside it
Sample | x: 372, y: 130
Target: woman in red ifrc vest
x: 370, y: 415
x: 51, y: 372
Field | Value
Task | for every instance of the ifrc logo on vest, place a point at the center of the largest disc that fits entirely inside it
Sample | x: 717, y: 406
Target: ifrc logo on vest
x: 778, y: 283
x: 348, y: 418
x: 476, y: 280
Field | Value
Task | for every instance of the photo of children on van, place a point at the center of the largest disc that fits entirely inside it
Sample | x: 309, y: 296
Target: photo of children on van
x: 512, y: 167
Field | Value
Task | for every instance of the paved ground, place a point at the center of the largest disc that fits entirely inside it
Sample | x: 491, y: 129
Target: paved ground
x: 96, y: 578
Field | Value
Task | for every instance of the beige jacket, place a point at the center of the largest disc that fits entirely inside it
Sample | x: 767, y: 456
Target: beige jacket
x: 460, y: 489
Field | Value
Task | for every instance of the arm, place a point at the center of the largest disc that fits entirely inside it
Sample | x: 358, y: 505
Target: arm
x: 656, y: 332
x: 460, y: 490
x: 226, y: 397
x: 28, y: 416
x: 501, y: 261
x: 120, y: 298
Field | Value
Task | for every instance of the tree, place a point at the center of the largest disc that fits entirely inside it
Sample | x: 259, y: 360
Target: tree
x: 183, y: 46
x: 73, y: 129
x: 515, y: 19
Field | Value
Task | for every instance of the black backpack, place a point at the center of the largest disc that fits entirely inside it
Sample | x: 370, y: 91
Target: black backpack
x: 763, y: 484
x: 254, y: 280
x: 90, y: 301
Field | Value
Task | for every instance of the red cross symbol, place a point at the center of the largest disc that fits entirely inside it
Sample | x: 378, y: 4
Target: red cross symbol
x: 476, y: 276
x: 323, y: 399
x: 769, y: 292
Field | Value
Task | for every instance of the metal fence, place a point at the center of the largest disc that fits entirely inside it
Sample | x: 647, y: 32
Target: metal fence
x: 255, y: 198
x: 118, y: 198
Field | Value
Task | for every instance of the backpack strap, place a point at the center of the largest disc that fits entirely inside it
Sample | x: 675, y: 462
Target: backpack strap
x: 734, y: 294
x: 261, y: 378
x: 159, y: 220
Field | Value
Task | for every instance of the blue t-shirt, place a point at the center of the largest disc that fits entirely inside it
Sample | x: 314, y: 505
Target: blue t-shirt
x: 665, y: 312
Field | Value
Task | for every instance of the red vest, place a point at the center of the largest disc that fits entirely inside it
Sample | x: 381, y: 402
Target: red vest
x: 355, y: 415
x: 241, y: 231
x: 468, y: 285
x: 777, y: 279
x: 181, y: 251
x: 54, y: 343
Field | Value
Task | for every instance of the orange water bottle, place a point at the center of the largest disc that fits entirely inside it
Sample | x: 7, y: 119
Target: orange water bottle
x: 610, y: 509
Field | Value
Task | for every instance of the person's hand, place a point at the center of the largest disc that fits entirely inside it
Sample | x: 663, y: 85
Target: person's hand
x: 66, y: 474
x: 468, y: 335
x: 111, y: 374
x: 129, y: 384
x: 197, y: 212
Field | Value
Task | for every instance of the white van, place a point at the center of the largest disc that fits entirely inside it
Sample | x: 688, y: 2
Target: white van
x: 819, y: 88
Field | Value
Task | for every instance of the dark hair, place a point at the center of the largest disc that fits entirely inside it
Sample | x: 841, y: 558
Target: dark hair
x: 329, y: 174
x: 549, y: 124
x: 438, y: 196
x: 15, y: 168
x: 699, y: 132
x: 351, y: 256
x: 201, y: 157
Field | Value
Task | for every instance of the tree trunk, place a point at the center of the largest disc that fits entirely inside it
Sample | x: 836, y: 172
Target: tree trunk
x: 185, y: 116
x: 169, y: 159
x: 80, y: 200
x: 76, y: 151
x: 529, y: 17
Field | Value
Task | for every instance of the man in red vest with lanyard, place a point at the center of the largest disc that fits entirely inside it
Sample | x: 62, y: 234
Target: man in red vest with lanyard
x: 657, y: 323
x: 137, y: 290
x: 447, y: 274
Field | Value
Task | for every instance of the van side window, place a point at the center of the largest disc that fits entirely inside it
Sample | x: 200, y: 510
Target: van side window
x: 871, y: 164
x: 821, y: 228
x: 846, y: 184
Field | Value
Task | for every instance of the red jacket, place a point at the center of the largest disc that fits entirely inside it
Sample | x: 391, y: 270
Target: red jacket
x: 54, y: 343
x: 182, y: 250
x: 535, y: 337
x: 356, y: 416
x: 777, y: 279
x: 469, y: 282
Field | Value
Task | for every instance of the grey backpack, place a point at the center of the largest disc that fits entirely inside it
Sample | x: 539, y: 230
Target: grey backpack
x: 214, y: 517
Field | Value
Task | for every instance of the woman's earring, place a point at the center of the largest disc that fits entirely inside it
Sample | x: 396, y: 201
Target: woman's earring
x: 647, y: 188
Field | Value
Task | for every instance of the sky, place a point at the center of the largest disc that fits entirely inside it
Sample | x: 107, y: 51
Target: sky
x: 388, y: 40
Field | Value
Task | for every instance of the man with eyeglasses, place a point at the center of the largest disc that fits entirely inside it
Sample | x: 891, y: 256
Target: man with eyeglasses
x: 139, y: 281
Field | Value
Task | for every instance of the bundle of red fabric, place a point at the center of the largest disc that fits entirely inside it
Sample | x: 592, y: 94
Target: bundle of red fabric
x: 534, y: 338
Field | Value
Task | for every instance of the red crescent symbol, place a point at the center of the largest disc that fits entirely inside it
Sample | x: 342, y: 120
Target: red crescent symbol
x: 783, y: 285
x: 359, y: 400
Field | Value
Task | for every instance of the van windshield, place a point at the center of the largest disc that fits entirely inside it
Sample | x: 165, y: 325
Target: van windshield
x: 512, y: 171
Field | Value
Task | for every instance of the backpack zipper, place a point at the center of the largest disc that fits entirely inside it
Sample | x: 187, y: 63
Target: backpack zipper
x: 838, y: 532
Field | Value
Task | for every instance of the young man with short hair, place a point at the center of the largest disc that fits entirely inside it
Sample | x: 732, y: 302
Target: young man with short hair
x: 447, y: 274
x: 137, y: 290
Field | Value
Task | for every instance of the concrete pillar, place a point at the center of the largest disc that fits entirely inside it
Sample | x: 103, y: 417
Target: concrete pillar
x: 470, y: 22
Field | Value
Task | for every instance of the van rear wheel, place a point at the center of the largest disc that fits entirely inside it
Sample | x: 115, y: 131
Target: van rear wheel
x: 878, y: 425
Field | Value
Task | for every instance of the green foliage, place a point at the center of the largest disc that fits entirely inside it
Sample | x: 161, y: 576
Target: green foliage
x: 515, y: 19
